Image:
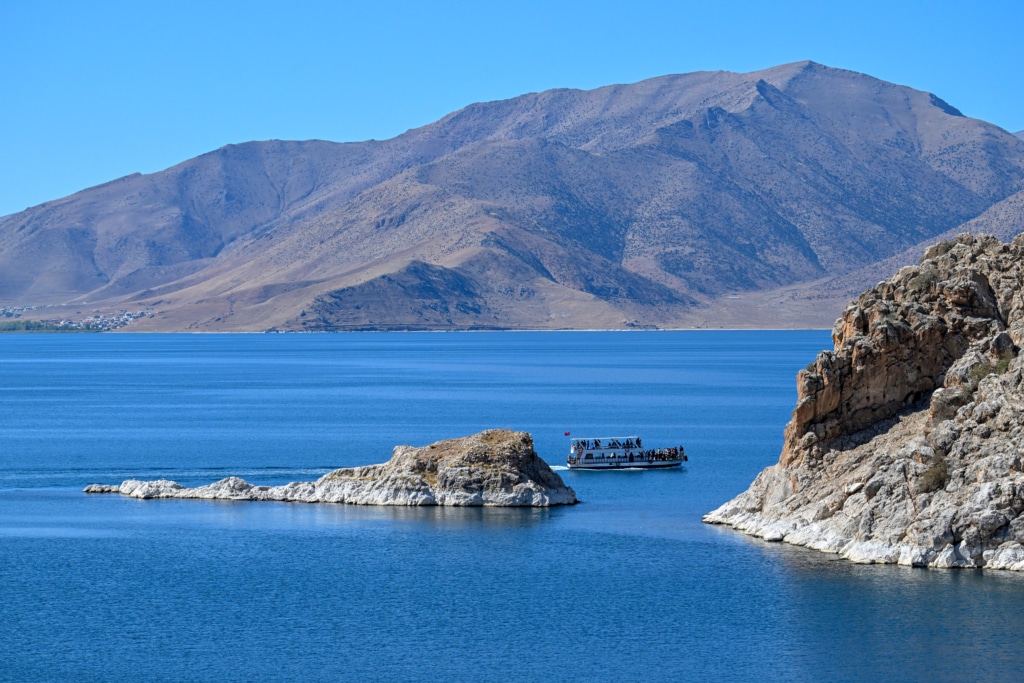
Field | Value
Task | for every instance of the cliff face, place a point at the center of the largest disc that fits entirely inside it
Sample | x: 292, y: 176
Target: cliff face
x: 495, y: 468
x: 907, y: 441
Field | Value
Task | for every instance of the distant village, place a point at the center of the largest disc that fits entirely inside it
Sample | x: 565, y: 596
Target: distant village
x: 11, y: 320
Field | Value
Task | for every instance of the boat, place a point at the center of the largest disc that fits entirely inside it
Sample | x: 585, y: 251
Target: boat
x: 621, y: 452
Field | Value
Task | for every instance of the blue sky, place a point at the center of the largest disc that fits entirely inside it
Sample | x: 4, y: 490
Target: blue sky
x: 93, y: 91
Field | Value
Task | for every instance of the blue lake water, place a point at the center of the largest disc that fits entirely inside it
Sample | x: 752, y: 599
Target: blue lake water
x: 628, y: 585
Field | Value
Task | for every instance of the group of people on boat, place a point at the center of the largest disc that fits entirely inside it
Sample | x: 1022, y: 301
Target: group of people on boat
x: 649, y: 455
x: 593, y: 444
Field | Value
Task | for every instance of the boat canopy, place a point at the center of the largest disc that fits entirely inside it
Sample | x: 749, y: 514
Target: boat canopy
x: 608, y: 443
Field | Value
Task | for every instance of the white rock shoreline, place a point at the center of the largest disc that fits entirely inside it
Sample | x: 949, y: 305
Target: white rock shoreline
x: 495, y: 468
x: 907, y: 442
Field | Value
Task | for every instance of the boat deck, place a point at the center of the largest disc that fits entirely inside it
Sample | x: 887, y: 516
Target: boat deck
x: 621, y: 452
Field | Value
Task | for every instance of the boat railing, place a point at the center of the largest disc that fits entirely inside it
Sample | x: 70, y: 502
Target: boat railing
x: 641, y: 456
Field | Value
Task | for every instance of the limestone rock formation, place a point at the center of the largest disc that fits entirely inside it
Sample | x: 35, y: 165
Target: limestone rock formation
x: 495, y: 468
x: 907, y: 442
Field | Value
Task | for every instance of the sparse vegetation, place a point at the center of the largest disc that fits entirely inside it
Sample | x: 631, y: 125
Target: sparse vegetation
x: 935, y: 477
x: 980, y: 372
x: 983, y: 370
x: 943, y: 247
x: 924, y: 279
x: 38, y: 326
x: 1003, y: 364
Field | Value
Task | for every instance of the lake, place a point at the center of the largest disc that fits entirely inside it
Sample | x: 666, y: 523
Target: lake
x: 628, y: 585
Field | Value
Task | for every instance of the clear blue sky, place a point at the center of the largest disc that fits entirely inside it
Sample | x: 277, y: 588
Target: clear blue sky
x: 93, y: 91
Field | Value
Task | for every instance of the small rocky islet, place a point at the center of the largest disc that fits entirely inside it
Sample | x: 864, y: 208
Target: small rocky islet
x: 495, y: 468
x: 907, y: 442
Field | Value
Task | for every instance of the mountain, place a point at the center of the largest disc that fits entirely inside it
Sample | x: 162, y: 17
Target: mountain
x: 1004, y: 220
x: 661, y: 203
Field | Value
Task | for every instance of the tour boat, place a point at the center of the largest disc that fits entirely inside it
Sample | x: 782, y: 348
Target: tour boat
x: 620, y: 453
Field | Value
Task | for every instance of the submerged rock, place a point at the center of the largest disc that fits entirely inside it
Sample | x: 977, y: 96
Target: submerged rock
x: 907, y: 442
x: 496, y: 468
x: 102, y: 488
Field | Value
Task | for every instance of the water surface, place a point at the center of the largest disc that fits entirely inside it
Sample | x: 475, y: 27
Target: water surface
x: 628, y: 585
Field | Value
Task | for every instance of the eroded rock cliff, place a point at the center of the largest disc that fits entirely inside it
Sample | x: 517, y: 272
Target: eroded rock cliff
x: 492, y: 468
x: 907, y: 442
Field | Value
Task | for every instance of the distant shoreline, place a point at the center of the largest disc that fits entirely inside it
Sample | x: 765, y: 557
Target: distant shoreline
x: 309, y: 332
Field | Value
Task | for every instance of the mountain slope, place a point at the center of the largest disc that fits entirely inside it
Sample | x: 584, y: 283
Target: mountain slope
x: 636, y: 204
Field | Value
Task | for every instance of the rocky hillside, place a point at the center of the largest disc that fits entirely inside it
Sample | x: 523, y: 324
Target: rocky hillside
x: 629, y: 205
x: 907, y: 441
x: 495, y: 468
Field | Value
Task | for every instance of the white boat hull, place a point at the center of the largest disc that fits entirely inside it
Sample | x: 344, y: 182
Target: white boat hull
x: 625, y: 465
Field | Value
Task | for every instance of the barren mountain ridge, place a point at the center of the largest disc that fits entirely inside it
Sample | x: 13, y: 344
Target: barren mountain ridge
x: 701, y: 199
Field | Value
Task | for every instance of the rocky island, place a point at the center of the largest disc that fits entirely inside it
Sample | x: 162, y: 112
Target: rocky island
x: 907, y: 442
x: 495, y: 468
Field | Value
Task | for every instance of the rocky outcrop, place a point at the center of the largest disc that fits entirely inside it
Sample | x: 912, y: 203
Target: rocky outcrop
x: 493, y: 468
x: 907, y: 442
